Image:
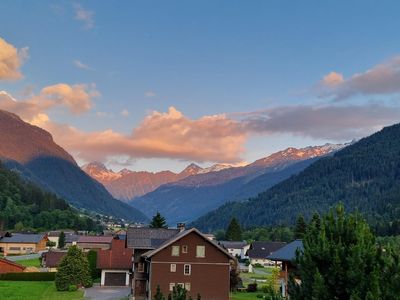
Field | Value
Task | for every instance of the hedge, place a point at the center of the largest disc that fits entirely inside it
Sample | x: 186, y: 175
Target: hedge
x: 29, y: 276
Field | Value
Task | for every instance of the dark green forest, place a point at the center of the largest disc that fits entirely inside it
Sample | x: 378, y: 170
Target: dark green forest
x: 24, y: 206
x: 364, y: 176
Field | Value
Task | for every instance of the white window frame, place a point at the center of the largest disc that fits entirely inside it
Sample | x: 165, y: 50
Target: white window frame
x: 185, y: 249
x: 187, y: 286
x: 175, y: 250
x: 171, y: 286
x: 198, y: 247
x: 189, y: 269
x: 172, y: 268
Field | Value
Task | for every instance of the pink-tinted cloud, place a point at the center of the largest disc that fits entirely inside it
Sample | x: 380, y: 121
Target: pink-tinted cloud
x: 380, y: 79
x: 11, y: 60
x: 84, y: 15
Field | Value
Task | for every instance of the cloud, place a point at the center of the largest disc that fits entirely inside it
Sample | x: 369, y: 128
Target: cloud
x: 333, y: 122
x: 81, y: 65
x: 124, y: 113
x: 11, y: 59
x: 150, y: 94
x: 78, y: 97
x: 380, y: 79
x: 84, y: 15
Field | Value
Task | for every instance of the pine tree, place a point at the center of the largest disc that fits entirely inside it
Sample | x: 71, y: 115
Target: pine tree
x: 158, y: 221
x: 159, y: 295
x: 61, y: 240
x: 339, y: 260
x: 234, y: 231
x: 300, y: 228
x: 73, y: 270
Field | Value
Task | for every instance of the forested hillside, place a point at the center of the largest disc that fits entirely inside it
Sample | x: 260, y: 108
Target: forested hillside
x: 364, y: 176
x: 25, y: 206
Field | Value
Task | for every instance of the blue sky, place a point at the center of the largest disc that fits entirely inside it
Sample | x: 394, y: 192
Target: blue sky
x: 204, y: 58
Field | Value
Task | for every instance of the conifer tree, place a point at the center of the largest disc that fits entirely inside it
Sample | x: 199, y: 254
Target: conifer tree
x: 61, y: 240
x: 158, y: 221
x: 234, y: 231
x: 300, y: 228
x: 159, y: 295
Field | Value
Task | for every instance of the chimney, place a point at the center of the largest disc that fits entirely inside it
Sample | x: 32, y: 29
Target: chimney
x: 181, y: 226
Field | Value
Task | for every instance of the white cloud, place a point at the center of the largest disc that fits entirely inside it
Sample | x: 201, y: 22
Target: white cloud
x: 150, y: 94
x: 125, y: 113
x: 84, y: 15
x: 11, y: 59
x: 81, y: 65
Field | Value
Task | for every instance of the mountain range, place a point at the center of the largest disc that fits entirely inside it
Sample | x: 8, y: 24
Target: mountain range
x: 31, y: 152
x: 364, y: 176
x: 189, y: 198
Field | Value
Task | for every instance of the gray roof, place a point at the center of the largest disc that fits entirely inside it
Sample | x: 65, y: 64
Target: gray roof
x: 287, y: 253
x: 232, y: 244
x: 148, y: 238
x: 261, y: 249
x: 23, y: 238
x: 69, y: 238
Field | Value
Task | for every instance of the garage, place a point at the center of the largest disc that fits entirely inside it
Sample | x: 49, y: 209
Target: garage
x: 115, y: 279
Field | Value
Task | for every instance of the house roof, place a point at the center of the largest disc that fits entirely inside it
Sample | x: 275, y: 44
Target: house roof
x: 118, y: 257
x: 181, y: 235
x: 56, y: 233
x: 148, y: 238
x: 53, y: 258
x: 232, y: 244
x: 3, y: 260
x: 95, y: 239
x: 288, y: 252
x: 263, y: 249
x: 71, y: 238
x: 23, y: 238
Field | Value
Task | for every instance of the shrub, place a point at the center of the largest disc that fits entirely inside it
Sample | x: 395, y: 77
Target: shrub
x: 252, y: 287
x: 260, y: 296
x: 29, y: 276
x: 72, y: 288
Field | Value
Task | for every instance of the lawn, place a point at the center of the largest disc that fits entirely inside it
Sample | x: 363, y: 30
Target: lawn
x: 35, y: 290
x: 244, y: 296
x: 33, y: 262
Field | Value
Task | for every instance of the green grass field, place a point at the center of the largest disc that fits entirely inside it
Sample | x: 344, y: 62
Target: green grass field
x: 244, y: 296
x: 35, y: 290
x: 34, y: 262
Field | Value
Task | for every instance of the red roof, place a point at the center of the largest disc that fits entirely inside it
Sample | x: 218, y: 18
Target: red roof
x: 7, y: 266
x: 95, y: 239
x: 118, y: 257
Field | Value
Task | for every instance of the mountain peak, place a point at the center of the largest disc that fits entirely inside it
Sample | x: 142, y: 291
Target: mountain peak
x: 192, y: 169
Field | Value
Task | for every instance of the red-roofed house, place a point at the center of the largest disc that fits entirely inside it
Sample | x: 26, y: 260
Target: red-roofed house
x: 87, y: 242
x: 115, y: 264
x: 7, y: 266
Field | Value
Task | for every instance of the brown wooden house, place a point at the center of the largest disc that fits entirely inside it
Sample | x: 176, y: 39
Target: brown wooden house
x: 20, y: 243
x: 188, y: 259
x: 7, y: 266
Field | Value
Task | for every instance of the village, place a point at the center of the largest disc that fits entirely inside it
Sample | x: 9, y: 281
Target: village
x: 140, y: 262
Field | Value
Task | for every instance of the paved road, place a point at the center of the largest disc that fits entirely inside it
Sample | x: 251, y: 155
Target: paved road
x: 107, y: 292
x: 23, y: 257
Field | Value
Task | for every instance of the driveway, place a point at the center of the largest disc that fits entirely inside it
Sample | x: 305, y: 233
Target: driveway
x: 107, y: 292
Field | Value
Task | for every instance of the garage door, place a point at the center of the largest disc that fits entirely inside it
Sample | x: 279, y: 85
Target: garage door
x: 114, y: 279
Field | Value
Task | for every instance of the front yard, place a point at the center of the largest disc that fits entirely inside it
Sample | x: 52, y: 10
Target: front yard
x: 35, y: 290
x: 33, y: 262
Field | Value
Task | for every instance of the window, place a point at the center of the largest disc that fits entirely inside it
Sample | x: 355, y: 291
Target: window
x: 175, y: 251
x: 15, y: 248
x: 200, y: 251
x: 140, y: 267
x: 173, y: 268
x: 187, y: 286
x: 182, y: 285
x: 184, y: 249
x: 171, y: 286
x: 187, y: 269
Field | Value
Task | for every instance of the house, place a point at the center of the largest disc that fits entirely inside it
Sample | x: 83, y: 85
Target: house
x: 237, y: 249
x: 52, y: 259
x: 20, y: 243
x: 259, y: 251
x: 7, y: 266
x: 115, y: 264
x: 188, y: 259
x: 71, y: 240
x: 53, y: 236
x: 286, y: 256
x: 141, y: 240
x: 87, y: 242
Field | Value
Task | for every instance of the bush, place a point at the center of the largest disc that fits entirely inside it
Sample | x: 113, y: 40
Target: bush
x: 72, y: 288
x: 252, y: 287
x: 29, y: 276
x: 260, y: 296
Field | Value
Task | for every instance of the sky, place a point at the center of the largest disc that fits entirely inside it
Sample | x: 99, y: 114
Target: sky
x: 155, y: 85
